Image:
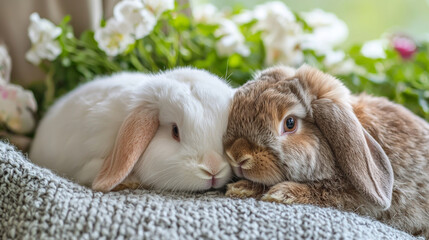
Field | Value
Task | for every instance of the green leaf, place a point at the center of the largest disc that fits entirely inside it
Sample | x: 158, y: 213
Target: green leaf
x: 136, y: 63
x: 235, y: 61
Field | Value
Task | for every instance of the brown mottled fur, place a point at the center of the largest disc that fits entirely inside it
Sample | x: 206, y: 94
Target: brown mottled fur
x: 342, y: 154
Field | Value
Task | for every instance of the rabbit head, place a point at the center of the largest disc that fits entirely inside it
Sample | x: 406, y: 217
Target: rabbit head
x: 299, y: 125
x: 172, y: 139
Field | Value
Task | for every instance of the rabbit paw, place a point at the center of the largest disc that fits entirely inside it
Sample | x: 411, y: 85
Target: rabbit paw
x: 288, y: 193
x: 244, y: 189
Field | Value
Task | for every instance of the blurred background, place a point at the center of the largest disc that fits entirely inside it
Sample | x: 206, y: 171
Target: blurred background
x: 366, y: 19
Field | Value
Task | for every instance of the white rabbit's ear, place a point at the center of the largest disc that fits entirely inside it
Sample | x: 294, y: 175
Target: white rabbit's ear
x: 134, y: 136
x: 358, y: 154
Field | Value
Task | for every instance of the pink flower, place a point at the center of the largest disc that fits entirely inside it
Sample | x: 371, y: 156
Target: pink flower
x: 5, y: 95
x: 17, y: 107
x: 404, y: 46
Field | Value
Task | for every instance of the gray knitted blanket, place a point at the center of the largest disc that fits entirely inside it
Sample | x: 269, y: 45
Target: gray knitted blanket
x: 37, y: 204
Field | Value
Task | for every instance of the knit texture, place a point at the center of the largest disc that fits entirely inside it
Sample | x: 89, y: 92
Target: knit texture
x: 38, y: 204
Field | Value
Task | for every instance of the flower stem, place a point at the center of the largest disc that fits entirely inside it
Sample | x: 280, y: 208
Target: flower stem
x: 50, y: 89
x: 146, y: 55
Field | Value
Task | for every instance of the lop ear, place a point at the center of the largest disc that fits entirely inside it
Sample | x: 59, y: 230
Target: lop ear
x: 133, y: 137
x: 359, y: 156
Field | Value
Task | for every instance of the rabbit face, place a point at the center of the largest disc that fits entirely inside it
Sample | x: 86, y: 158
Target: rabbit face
x: 271, y: 134
x: 187, y: 153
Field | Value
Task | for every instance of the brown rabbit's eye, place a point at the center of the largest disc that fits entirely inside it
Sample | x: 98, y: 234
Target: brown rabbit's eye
x: 289, y: 124
x: 175, y: 132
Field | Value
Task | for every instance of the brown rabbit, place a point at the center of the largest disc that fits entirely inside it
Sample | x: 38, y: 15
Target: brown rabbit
x: 299, y: 136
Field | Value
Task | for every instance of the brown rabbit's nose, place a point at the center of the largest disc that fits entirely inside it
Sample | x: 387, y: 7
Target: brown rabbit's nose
x: 240, y: 153
x: 244, y: 160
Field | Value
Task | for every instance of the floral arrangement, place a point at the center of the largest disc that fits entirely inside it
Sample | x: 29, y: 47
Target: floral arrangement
x: 154, y: 35
x: 17, y: 105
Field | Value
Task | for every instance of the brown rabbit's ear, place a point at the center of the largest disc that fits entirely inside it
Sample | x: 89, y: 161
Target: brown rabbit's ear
x: 133, y: 137
x: 359, y: 156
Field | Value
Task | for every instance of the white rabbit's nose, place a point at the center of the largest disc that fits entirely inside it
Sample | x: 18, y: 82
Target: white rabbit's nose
x: 212, y: 163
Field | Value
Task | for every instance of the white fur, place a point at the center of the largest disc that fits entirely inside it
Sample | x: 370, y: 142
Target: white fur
x: 80, y: 130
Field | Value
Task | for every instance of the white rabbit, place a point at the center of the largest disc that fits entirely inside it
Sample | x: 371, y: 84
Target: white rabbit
x: 165, y: 131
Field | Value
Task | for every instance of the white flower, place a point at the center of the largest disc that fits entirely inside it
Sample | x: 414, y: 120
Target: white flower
x: 16, y: 108
x: 42, y: 34
x: 282, y: 35
x: 337, y: 64
x: 375, y: 49
x: 5, y: 64
x: 157, y: 7
x: 243, y: 17
x: 334, y: 57
x: 231, y: 39
x: 328, y: 31
x: 134, y: 13
x: 288, y: 54
x: 206, y: 13
x: 274, y: 11
x: 115, y: 37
